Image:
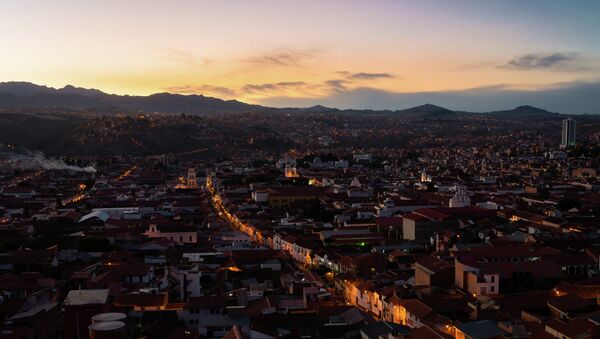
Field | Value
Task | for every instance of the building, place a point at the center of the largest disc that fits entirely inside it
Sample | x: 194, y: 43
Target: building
x: 192, y: 181
x: 291, y: 172
x: 432, y: 271
x: 210, y: 316
x: 568, y: 133
x: 80, y: 306
x: 286, y: 196
x: 177, y: 232
x: 460, y: 198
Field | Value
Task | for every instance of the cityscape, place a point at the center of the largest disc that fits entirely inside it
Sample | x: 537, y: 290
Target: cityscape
x: 173, y: 182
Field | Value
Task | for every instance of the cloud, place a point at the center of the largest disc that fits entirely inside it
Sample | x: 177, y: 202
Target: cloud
x: 285, y: 57
x: 337, y: 85
x: 272, y: 87
x: 551, y: 61
x: 202, y: 89
x: 350, y: 80
x: 370, y: 76
x: 366, y: 76
x: 185, y: 57
x: 571, y: 97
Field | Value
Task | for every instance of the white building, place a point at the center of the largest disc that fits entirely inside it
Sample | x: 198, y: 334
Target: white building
x: 188, y: 277
x: 461, y: 198
x: 568, y: 133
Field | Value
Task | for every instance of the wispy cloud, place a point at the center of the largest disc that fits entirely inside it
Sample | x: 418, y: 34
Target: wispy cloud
x: 337, y: 85
x: 548, y: 61
x: 269, y: 89
x: 366, y: 76
x: 185, y: 57
x: 219, y: 91
x: 272, y: 87
x: 262, y: 89
x: 282, y: 57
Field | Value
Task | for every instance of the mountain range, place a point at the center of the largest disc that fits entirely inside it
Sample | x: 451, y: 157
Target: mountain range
x: 28, y: 95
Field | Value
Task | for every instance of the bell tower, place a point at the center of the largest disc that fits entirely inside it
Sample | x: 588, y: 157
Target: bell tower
x: 192, y: 181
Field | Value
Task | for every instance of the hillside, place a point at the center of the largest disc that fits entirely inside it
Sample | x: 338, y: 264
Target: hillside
x: 22, y: 94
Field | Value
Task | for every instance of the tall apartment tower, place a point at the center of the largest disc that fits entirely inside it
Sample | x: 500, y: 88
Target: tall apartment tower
x: 568, y: 133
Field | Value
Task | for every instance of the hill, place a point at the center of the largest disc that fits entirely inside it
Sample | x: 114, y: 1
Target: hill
x: 526, y: 113
x: 23, y: 94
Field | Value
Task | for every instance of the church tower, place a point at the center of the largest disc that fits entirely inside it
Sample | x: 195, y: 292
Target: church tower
x: 192, y: 181
x: 461, y: 198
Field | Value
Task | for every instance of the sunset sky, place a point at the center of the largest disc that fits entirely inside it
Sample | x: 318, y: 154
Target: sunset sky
x: 364, y: 54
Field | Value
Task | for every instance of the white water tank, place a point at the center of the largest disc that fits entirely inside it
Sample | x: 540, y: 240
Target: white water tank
x: 109, y: 316
x: 107, y: 330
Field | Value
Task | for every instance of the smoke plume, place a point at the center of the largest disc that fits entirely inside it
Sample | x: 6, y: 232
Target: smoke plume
x: 39, y: 160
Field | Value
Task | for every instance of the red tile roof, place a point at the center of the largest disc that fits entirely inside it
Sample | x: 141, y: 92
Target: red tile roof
x: 417, y: 308
x: 434, y: 264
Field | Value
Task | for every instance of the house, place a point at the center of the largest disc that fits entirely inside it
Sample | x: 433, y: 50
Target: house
x: 475, y: 280
x: 288, y: 195
x: 412, y: 312
x: 210, y: 315
x: 432, y: 271
x: 363, y: 264
x: 141, y: 302
x: 80, y: 306
x: 382, y: 329
x: 187, y: 276
x: 392, y: 226
x: 569, y: 306
x: 571, y: 329
x: 480, y: 329
x: 42, y: 320
x: 492, y: 270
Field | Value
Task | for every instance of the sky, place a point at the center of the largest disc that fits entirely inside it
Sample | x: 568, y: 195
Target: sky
x: 461, y: 54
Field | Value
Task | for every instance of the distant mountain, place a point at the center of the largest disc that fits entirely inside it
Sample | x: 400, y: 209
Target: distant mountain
x: 525, y: 113
x: 23, y: 94
x: 320, y: 109
x: 80, y: 91
x: 23, y: 89
x: 427, y: 111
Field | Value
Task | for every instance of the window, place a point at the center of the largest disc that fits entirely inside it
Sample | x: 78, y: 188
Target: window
x: 492, y: 289
x: 493, y: 278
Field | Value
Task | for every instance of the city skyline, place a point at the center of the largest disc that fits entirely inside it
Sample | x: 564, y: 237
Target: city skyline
x: 462, y: 55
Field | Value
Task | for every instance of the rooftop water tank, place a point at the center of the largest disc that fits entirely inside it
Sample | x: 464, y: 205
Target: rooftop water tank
x: 107, y: 330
